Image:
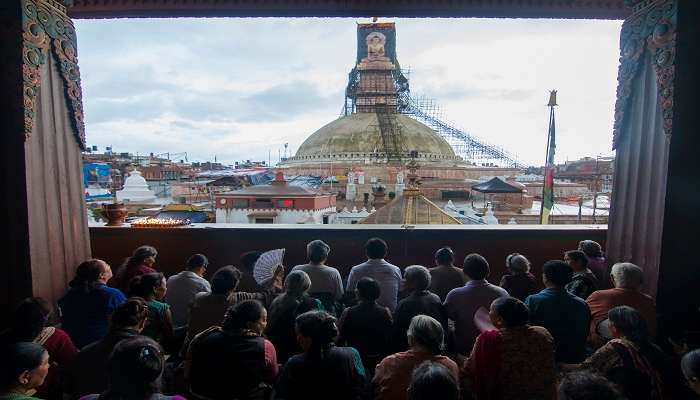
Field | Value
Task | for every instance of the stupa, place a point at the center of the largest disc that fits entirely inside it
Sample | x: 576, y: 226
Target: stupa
x: 136, y: 189
x: 374, y: 141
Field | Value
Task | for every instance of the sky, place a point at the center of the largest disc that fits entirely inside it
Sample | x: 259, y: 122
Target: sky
x: 238, y: 89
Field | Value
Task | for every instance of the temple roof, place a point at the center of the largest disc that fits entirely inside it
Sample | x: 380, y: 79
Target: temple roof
x: 411, y: 208
x: 605, y: 9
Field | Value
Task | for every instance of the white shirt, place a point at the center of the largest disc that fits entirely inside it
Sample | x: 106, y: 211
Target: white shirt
x: 387, y: 275
x: 324, y: 279
x: 181, y: 291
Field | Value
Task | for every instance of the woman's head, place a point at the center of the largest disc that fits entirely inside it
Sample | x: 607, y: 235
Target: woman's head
x: 225, y: 280
x: 32, y: 315
x: 576, y: 259
x: 427, y: 333
x: 690, y: 364
x: 508, y: 312
x: 131, y: 314
x: 627, y: 322
x: 134, y: 368
x: 297, y: 283
x: 444, y: 256
x: 432, y: 380
x: 591, y: 248
x: 517, y: 264
x: 89, y: 273
x: 144, y: 255
x: 368, y: 289
x: 248, y: 314
x: 316, y: 330
x: 416, y: 278
x: 23, y: 368
x: 148, y: 286
x: 587, y: 386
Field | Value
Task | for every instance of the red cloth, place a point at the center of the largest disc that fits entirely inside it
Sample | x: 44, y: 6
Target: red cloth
x: 485, y: 371
x: 62, y: 353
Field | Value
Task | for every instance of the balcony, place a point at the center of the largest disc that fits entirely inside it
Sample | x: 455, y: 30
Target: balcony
x: 223, y: 243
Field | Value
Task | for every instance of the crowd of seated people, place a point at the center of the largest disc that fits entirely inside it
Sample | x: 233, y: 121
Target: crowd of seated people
x: 444, y: 332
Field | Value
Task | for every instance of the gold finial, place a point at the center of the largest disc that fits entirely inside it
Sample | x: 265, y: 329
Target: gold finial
x: 552, y: 98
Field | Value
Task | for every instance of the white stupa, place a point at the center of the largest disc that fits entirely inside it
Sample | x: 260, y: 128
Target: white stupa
x: 136, y: 189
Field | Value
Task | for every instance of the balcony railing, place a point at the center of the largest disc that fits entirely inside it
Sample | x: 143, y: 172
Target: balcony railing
x: 224, y: 243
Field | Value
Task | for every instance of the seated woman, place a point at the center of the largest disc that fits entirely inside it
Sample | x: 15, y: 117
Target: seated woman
x: 690, y: 365
x: 250, y: 360
x: 151, y: 288
x: 514, y: 361
x: 367, y: 326
x: 519, y: 282
x: 86, y: 307
x: 89, y: 371
x: 208, y: 309
x: 596, y: 261
x: 141, y: 262
x: 23, y: 369
x: 431, y: 381
x: 322, y: 371
x: 135, y: 368
x: 31, y: 324
x: 426, y: 340
x: 629, y: 360
x: 283, y: 312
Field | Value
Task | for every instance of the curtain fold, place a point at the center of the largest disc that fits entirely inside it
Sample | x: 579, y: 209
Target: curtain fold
x: 637, y: 209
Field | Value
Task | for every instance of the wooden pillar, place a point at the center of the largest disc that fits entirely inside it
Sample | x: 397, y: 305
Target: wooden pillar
x: 656, y: 203
x: 42, y: 204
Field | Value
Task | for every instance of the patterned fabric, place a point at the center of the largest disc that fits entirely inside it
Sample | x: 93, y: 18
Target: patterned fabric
x: 393, y: 375
x: 155, y: 324
x: 622, y: 362
x: 526, y: 369
x: 62, y: 353
x: 582, y: 284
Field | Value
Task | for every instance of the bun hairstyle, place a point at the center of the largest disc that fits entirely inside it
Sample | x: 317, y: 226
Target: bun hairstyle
x: 146, y: 284
x: 242, y: 314
x: 320, y: 327
x: 518, y: 263
x: 130, y: 313
x: 87, y: 274
x: 17, y: 358
x: 135, y: 367
x: 32, y: 315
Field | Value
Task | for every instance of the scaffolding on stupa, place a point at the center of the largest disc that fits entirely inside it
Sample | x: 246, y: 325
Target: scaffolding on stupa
x: 427, y: 111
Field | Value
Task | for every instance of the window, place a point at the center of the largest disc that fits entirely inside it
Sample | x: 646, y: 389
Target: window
x: 264, y: 221
x: 263, y: 203
x: 284, y: 203
x: 240, y: 203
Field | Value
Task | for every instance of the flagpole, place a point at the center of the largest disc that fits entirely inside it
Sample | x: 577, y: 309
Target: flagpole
x: 548, y: 179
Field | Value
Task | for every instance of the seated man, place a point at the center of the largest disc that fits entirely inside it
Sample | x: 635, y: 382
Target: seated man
x: 584, y: 281
x: 326, y: 284
x: 628, y: 279
x: 419, y: 301
x: 462, y: 303
x: 564, y: 315
x: 182, y: 288
x: 387, y: 275
x: 445, y: 276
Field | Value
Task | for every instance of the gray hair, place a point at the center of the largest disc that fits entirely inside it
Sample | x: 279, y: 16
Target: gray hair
x: 297, y: 283
x: 427, y: 332
x: 627, y: 275
x: 317, y: 251
x: 518, y: 263
x: 418, y: 275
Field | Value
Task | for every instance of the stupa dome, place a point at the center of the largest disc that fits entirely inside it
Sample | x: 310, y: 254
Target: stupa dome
x: 136, y: 189
x: 357, y: 137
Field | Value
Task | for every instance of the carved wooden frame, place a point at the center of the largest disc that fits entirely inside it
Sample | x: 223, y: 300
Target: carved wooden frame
x: 45, y: 26
x: 652, y: 27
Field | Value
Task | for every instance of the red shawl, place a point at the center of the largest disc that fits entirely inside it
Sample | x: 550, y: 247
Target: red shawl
x: 487, y: 359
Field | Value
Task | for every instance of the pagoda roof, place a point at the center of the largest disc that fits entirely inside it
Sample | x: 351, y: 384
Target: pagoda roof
x: 496, y: 185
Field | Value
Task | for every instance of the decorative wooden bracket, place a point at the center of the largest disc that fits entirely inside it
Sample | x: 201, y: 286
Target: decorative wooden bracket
x: 652, y: 27
x: 45, y: 26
